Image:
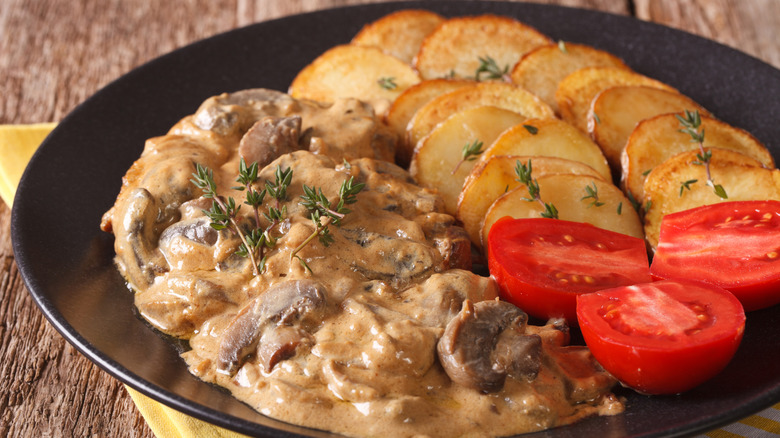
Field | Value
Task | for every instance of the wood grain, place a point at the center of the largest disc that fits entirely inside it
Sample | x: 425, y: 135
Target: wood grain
x: 54, y: 54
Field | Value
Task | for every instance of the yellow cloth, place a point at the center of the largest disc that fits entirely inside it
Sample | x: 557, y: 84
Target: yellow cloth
x: 17, y: 144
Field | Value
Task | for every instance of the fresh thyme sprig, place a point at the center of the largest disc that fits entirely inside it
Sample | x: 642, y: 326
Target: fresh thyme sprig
x: 223, y: 212
x: 388, y: 83
x: 489, y: 67
x: 523, y: 172
x: 322, y: 215
x: 470, y: 152
x: 592, y: 193
x: 691, y: 125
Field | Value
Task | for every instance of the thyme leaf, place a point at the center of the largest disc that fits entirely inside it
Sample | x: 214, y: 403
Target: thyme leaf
x: 489, y: 67
x: 691, y: 125
x: 524, y: 176
x: 388, y: 83
x: 469, y: 152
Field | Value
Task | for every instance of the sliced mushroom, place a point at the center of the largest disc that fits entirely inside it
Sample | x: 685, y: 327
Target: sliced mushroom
x: 485, y: 343
x: 138, y: 232
x: 230, y: 113
x: 399, y: 260
x: 197, y: 230
x: 269, y: 138
x: 298, y: 303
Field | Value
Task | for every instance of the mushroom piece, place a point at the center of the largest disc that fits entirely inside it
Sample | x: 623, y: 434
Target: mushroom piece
x: 269, y: 138
x: 296, y: 304
x: 229, y: 113
x: 487, y: 342
x: 139, y: 232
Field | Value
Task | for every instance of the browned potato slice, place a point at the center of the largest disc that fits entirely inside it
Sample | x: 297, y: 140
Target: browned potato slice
x: 400, y: 33
x: 568, y: 193
x: 438, y: 159
x: 670, y: 187
x: 454, y: 49
x: 577, y: 90
x: 498, y: 94
x: 550, y: 138
x: 657, y: 139
x: 354, y: 71
x: 491, y: 178
x: 615, y: 112
x: 542, y: 69
x: 406, y: 105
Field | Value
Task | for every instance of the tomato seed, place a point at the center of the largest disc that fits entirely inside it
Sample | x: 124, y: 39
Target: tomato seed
x: 772, y: 255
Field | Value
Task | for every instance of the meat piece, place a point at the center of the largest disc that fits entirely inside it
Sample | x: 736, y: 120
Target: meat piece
x: 269, y: 138
x: 299, y: 303
x: 485, y: 343
x: 180, y: 304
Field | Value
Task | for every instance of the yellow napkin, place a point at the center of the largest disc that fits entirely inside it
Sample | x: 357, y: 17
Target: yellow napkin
x: 17, y: 144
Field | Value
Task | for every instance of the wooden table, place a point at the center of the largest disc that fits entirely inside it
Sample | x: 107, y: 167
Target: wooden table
x: 56, y: 53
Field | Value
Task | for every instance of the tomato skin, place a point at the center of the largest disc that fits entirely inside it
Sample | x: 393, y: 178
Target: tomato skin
x: 544, y: 277
x: 672, y: 359
x: 739, y: 254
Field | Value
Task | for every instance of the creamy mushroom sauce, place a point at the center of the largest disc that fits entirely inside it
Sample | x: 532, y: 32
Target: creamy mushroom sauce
x: 389, y: 334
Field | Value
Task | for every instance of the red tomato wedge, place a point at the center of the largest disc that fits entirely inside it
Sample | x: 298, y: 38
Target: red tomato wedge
x: 664, y: 337
x: 541, y: 265
x: 734, y: 245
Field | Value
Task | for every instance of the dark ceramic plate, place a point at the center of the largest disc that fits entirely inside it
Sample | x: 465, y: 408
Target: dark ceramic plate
x: 66, y: 261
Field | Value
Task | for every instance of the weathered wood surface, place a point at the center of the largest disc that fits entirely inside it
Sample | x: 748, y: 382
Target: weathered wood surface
x: 54, y: 54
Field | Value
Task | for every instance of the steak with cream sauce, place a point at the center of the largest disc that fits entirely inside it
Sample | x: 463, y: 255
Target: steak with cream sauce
x: 384, y: 332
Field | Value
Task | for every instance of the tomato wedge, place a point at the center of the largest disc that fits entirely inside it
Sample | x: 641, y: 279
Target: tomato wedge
x: 734, y: 245
x: 664, y: 337
x: 541, y: 265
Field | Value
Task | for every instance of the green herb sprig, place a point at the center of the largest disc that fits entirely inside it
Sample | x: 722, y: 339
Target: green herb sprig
x: 224, y: 212
x: 592, y: 193
x: 489, y: 67
x: 322, y: 215
x: 387, y: 83
x: 524, y: 176
x: 691, y: 125
x: 470, y: 152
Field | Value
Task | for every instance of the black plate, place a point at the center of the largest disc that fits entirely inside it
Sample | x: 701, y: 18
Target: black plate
x: 75, y: 176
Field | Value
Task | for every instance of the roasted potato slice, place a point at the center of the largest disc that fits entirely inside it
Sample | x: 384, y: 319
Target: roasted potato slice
x: 542, y: 69
x: 406, y: 105
x: 400, y: 33
x: 657, y: 139
x: 550, y: 138
x: 576, y: 91
x: 615, y: 112
x: 491, y: 178
x: 365, y: 73
x: 454, y: 49
x: 498, y: 94
x: 680, y: 183
x: 438, y: 159
x: 610, y: 209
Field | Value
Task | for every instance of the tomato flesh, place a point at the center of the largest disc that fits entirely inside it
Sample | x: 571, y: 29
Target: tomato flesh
x: 734, y: 245
x: 664, y: 337
x: 541, y: 265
